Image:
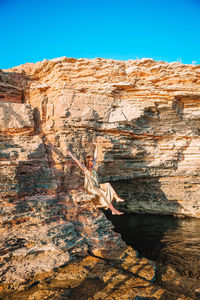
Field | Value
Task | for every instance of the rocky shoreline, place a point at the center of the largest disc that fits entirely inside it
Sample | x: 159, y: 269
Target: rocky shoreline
x: 53, y: 258
x: 121, y: 276
x: 144, y: 116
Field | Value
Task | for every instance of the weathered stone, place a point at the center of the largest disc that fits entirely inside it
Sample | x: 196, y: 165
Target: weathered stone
x: 143, y: 114
x: 16, y: 117
x: 11, y: 87
x: 122, y: 276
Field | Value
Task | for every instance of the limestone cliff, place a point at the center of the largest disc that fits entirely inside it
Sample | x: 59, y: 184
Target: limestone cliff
x: 143, y: 114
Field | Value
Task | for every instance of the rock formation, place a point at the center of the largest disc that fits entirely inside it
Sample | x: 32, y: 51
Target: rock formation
x: 143, y: 114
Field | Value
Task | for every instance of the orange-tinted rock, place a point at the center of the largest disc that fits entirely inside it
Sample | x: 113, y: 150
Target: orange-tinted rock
x: 144, y: 116
x: 11, y: 87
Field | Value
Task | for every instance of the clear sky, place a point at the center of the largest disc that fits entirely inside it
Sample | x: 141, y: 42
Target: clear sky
x: 32, y: 30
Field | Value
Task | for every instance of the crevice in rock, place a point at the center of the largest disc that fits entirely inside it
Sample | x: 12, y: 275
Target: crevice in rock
x: 37, y: 121
x: 178, y: 106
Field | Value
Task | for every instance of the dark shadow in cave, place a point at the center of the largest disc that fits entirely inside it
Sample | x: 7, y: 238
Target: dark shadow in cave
x: 141, y: 187
x: 147, y: 196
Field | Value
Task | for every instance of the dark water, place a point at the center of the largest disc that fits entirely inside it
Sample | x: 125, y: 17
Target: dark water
x: 174, y: 244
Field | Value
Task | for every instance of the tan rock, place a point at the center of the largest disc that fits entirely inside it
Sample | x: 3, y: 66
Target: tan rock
x: 144, y: 116
x: 15, y: 117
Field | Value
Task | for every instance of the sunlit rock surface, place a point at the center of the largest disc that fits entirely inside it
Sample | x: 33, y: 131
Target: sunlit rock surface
x: 145, y: 117
x: 122, y: 276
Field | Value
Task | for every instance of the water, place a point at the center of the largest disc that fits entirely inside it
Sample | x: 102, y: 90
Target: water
x: 174, y: 244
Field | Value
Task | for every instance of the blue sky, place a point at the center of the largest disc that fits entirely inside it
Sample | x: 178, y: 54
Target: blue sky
x: 166, y: 30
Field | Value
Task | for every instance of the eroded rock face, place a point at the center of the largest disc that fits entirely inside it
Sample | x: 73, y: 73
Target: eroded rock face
x: 143, y: 114
x: 11, y: 87
x: 42, y: 227
x: 42, y: 233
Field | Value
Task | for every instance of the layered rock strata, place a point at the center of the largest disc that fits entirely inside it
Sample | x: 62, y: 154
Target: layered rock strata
x: 41, y: 227
x: 143, y: 114
x: 11, y: 89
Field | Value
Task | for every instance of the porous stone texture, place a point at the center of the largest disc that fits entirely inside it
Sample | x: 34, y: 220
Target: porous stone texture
x: 43, y: 232
x: 143, y: 114
x: 41, y: 226
x: 11, y: 87
x: 122, y: 276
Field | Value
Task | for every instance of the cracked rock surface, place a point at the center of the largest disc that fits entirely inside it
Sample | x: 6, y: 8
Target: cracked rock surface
x: 143, y: 114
